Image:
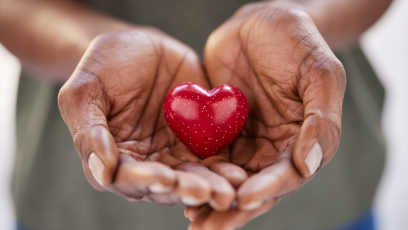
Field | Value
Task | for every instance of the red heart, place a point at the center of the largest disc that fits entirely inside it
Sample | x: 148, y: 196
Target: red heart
x: 206, y: 121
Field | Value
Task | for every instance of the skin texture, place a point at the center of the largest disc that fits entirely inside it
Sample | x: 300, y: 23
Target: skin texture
x: 277, y: 53
x: 295, y: 87
x: 112, y: 105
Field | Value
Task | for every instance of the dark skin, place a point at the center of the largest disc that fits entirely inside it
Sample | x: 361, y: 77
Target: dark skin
x: 278, y: 53
x: 113, y: 107
x: 281, y: 69
x: 295, y: 87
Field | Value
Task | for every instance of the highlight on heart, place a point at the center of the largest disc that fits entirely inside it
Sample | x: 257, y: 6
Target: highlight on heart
x: 206, y: 122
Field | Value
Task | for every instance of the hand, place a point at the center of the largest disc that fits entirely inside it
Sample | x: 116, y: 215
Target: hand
x: 294, y: 85
x: 112, y: 105
x: 206, y: 217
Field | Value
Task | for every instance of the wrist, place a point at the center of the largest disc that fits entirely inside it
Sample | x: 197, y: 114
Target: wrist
x: 309, y: 8
x: 59, y: 67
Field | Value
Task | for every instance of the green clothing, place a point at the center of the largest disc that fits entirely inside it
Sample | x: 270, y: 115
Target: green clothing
x: 51, y: 191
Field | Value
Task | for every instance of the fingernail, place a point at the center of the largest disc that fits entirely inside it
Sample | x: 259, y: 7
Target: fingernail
x: 185, y: 215
x: 250, y: 206
x: 96, y: 166
x: 191, y: 201
x: 314, y: 158
x: 159, y: 188
x: 218, y: 207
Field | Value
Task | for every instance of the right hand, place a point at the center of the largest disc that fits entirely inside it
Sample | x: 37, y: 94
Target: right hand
x: 112, y: 105
x: 295, y: 85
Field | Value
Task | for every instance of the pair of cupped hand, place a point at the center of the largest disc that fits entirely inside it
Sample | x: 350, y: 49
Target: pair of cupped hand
x: 294, y: 84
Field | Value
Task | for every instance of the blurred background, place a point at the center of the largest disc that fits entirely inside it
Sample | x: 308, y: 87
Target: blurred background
x: 9, y: 74
x: 385, y: 45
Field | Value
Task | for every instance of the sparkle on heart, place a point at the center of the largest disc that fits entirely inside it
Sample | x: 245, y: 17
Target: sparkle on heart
x: 206, y: 122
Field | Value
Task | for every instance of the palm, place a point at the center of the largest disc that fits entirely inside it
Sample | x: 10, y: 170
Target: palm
x: 136, y: 94
x: 293, y: 84
x: 120, y: 85
x: 264, y: 70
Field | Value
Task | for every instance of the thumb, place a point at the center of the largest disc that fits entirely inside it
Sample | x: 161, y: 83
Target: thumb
x: 315, y: 146
x: 83, y: 107
x: 319, y: 136
x: 98, y: 149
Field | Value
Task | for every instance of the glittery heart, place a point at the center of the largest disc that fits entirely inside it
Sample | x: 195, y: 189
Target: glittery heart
x: 206, y: 122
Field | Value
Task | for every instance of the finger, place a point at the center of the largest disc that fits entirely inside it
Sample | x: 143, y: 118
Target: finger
x: 234, y: 174
x: 136, y: 179
x: 202, y: 214
x: 192, y: 189
x: 232, y: 219
x: 220, y: 165
x: 162, y: 198
x: 133, y: 200
x: 275, y: 181
x: 317, y: 143
x: 91, y: 179
x: 222, y: 195
x: 98, y: 150
x: 322, y: 85
x: 157, y: 183
x: 83, y: 107
x: 191, y: 212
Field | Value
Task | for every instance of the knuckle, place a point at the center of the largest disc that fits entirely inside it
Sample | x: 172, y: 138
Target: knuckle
x: 154, y: 30
x: 82, y: 89
x: 80, y: 105
x: 110, y: 38
x: 112, y: 43
x: 289, y: 18
x: 290, y: 15
x: 331, y: 70
x: 339, y: 71
x: 62, y: 96
x: 320, y: 65
x: 249, y: 7
x: 282, y: 21
x: 319, y: 62
x: 106, y: 42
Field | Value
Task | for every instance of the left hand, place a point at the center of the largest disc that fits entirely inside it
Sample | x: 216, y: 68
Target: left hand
x: 294, y: 85
x: 112, y: 105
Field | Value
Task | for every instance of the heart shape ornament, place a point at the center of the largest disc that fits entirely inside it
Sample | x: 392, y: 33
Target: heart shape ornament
x: 206, y: 122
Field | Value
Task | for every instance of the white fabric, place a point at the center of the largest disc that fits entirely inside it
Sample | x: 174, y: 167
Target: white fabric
x: 386, y: 47
x: 9, y: 75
